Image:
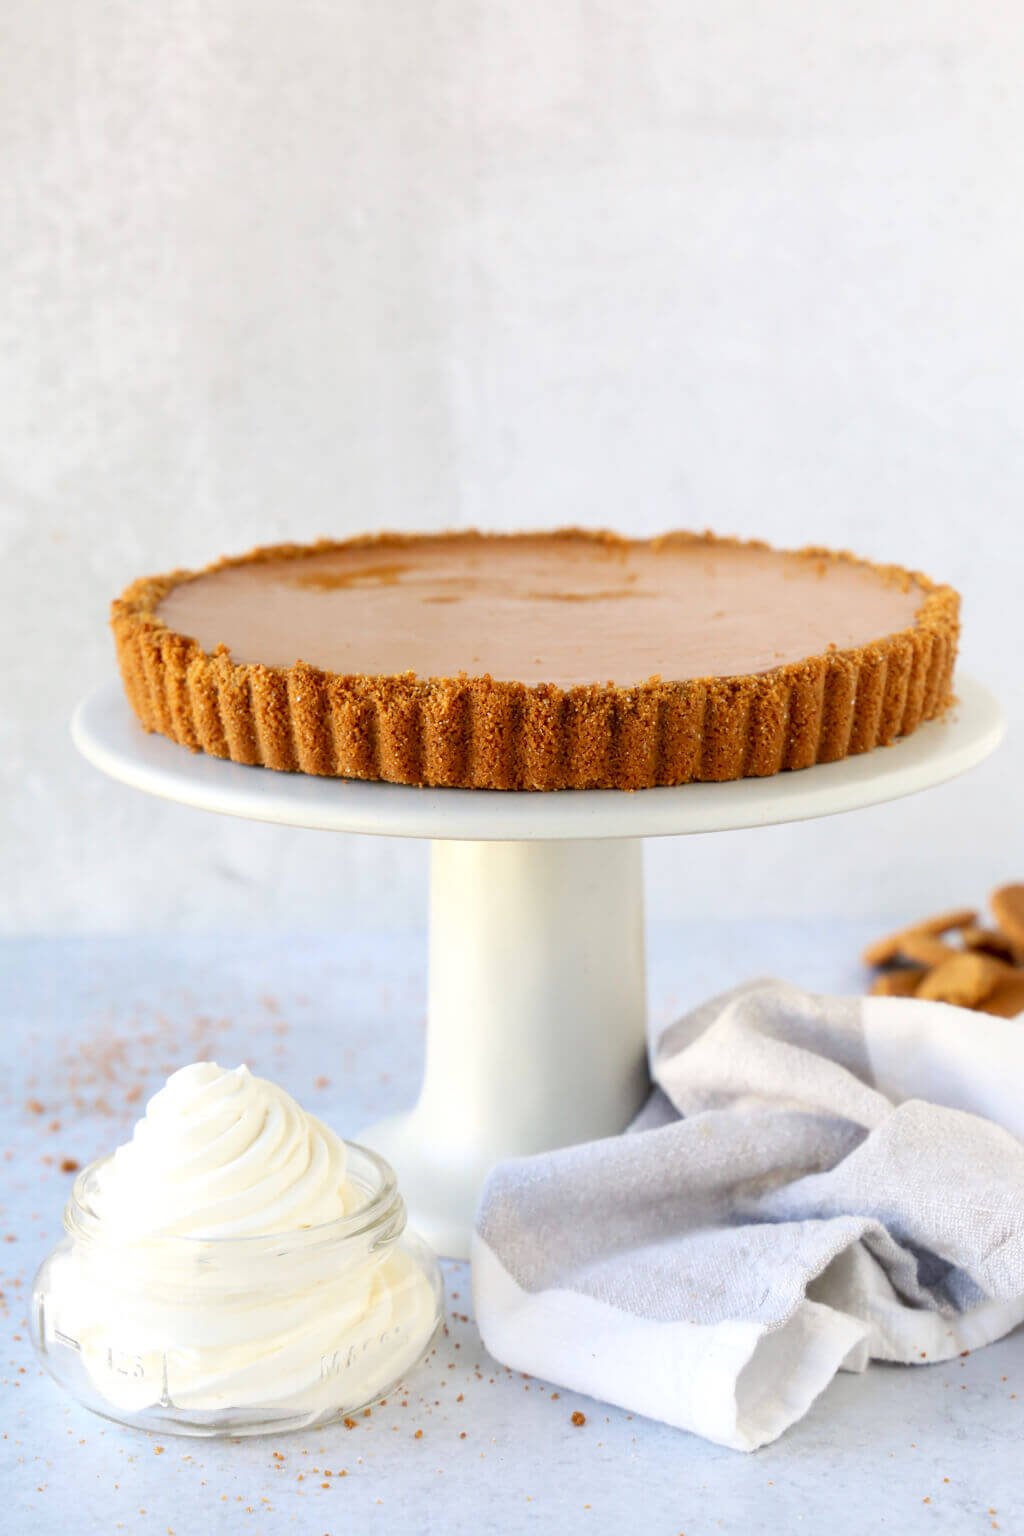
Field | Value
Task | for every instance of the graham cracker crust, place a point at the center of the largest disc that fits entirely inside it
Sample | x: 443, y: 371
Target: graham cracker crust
x: 477, y: 733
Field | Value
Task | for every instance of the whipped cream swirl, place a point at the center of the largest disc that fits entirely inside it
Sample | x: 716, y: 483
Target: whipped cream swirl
x: 208, y: 1271
x: 220, y: 1153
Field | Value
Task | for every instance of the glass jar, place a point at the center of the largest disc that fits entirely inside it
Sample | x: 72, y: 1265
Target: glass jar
x: 238, y: 1336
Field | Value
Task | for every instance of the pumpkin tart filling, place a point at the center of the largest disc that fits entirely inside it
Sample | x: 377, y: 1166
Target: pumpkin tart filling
x: 537, y: 661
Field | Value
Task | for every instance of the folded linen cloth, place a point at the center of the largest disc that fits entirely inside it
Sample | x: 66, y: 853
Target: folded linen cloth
x: 816, y: 1182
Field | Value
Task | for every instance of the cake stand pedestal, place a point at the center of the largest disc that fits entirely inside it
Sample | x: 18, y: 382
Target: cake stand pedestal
x: 536, y: 1010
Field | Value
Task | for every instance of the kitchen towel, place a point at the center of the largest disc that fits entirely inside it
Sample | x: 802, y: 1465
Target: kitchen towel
x: 816, y: 1182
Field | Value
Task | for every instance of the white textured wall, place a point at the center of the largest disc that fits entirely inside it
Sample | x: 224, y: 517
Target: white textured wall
x: 277, y: 271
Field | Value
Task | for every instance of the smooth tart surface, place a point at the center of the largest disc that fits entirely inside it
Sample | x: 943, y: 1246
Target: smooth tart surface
x: 537, y: 661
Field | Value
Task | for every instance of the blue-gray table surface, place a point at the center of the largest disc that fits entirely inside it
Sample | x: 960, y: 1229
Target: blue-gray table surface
x: 92, y: 1025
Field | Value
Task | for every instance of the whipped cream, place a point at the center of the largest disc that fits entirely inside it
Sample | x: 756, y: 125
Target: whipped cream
x: 223, y: 1154
x: 202, y: 1274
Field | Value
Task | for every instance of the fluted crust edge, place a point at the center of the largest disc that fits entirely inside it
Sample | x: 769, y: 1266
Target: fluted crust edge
x: 474, y: 732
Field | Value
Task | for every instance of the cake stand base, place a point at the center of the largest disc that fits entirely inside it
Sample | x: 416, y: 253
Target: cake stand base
x: 536, y: 997
x: 536, y: 1017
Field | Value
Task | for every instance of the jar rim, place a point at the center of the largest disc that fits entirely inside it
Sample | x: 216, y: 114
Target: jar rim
x: 383, y: 1207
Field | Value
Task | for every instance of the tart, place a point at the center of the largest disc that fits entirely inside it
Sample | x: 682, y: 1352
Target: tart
x: 564, y: 660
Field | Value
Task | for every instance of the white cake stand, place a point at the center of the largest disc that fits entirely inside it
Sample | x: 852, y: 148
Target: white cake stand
x: 536, y: 1010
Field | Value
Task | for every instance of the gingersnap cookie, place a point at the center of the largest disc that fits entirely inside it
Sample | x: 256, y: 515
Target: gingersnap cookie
x: 1007, y: 1000
x: 893, y: 945
x: 925, y: 949
x: 964, y: 979
x: 989, y: 940
x: 1007, y: 905
x: 902, y: 982
x: 953, y: 957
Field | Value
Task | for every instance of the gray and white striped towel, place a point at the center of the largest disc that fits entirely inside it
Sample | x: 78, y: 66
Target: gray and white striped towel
x: 816, y: 1182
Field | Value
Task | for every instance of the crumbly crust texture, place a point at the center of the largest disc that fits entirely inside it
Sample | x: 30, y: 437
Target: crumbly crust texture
x: 476, y: 733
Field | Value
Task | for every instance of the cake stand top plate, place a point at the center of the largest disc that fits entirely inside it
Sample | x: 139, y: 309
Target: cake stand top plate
x: 106, y: 732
